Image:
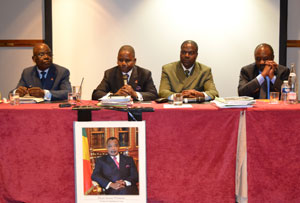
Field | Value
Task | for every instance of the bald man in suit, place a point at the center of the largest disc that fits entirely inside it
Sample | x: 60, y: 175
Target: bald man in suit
x: 139, y: 85
x: 192, y: 79
x: 45, y: 79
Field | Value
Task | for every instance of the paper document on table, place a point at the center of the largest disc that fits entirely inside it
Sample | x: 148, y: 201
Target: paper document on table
x: 172, y: 106
x: 120, y: 101
x: 30, y: 100
x: 234, y: 102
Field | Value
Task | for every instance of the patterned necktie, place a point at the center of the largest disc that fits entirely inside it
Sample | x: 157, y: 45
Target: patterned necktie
x: 187, y: 73
x: 43, y: 77
x: 116, y: 162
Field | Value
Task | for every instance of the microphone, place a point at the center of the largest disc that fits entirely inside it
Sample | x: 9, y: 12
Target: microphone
x: 125, y: 78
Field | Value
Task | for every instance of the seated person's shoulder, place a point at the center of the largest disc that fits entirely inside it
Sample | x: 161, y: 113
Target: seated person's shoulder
x: 143, y: 70
x: 60, y: 68
x: 248, y: 67
x: 203, y: 66
x: 170, y: 66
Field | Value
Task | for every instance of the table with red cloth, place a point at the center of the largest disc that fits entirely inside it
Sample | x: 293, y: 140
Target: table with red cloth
x: 273, y: 153
x: 191, y: 152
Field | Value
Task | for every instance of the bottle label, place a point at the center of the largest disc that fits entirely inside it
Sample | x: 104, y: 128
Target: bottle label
x: 285, y: 89
x: 292, y: 96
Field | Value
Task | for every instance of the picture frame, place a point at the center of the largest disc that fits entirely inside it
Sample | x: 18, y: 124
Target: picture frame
x: 86, y: 154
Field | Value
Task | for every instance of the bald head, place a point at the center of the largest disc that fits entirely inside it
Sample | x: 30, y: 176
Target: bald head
x: 126, y: 58
x: 128, y: 48
x: 264, y: 46
x: 40, y: 46
x: 42, y: 56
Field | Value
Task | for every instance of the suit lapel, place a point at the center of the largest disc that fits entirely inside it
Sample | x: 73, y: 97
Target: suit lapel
x: 52, y: 73
x: 192, y: 77
x: 36, y: 78
x: 111, y: 162
x: 133, y: 81
x: 119, y: 80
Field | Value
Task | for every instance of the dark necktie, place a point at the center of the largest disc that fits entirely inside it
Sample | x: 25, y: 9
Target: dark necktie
x: 43, y: 77
x: 187, y: 73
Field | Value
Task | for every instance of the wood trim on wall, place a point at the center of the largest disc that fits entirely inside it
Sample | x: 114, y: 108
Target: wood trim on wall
x: 293, y: 43
x: 19, y: 43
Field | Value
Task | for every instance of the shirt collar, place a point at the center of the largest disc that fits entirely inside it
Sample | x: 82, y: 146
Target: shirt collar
x: 189, y: 69
x: 40, y: 72
x: 129, y: 73
x: 118, y: 157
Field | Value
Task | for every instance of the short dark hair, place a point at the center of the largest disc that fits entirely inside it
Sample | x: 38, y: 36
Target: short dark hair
x: 264, y: 45
x: 190, y: 42
x: 113, y: 138
x: 127, y: 48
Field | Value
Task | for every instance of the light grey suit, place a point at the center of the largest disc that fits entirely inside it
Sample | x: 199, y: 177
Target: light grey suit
x: 173, y: 80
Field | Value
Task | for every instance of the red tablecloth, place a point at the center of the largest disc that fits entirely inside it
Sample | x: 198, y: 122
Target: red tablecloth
x: 273, y: 146
x: 190, y: 153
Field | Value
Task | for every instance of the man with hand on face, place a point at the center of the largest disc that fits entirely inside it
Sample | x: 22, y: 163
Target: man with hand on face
x: 127, y: 79
x: 192, y: 79
x: 45, y: 79
x: 258, y: 79
x: 116, y: 173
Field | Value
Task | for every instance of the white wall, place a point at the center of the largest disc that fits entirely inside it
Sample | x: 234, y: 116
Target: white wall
x: 87, y: 35
x: 18, y: 20
x: 293, y: 53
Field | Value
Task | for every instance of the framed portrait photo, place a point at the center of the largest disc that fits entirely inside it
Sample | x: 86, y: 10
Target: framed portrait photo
x: 110, y: 161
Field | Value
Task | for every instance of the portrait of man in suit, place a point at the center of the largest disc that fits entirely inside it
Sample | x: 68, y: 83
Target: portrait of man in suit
x: 46, y: 79
x: 187, y: 76
x: 127, y: 79
x: 116, y: 173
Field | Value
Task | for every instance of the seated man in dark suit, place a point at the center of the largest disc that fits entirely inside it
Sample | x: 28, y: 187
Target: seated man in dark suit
x: 127, y: 79
x: 256, y: 77
x: 114, y: 172
x: 45, y: 79
x: 187, y: 76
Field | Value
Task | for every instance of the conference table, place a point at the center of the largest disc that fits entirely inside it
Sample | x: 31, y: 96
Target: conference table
x: 192, y: 154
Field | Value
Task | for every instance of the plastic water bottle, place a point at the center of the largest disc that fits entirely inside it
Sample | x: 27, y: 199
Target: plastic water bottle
x: 285, y: 89
x: 292, y: 95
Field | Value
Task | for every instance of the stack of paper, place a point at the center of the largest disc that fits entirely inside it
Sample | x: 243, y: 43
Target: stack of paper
x: 115, y: 101
x: 234, y: 102
x: 30, y: 100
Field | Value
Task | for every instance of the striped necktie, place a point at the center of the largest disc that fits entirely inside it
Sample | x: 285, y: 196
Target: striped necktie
x: 187, y: 73
x: 116, y: 161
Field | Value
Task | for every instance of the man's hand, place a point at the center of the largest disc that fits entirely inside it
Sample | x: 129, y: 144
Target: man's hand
x: 192, y: 94
x: 22, y: 91
x: 118, y: 185
x: 36, y: 92
x: 269, y: 69
x: 126, y: 90
x: 273, y: 68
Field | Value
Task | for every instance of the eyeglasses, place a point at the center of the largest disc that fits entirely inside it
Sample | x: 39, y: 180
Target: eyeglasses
x: 42, y: 54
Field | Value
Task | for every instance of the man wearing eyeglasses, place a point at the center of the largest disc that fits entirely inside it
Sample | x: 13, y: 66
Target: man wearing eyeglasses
x: 192, y: 79
x: 45, y: 79
x: 258, y: 79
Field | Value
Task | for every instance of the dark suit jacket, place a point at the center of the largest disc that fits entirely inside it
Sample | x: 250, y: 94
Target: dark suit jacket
x: 57, y: 81
x: 140, y: 80
x: 107, y: 171
x: 173, y: 80
x: 249, y: 86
